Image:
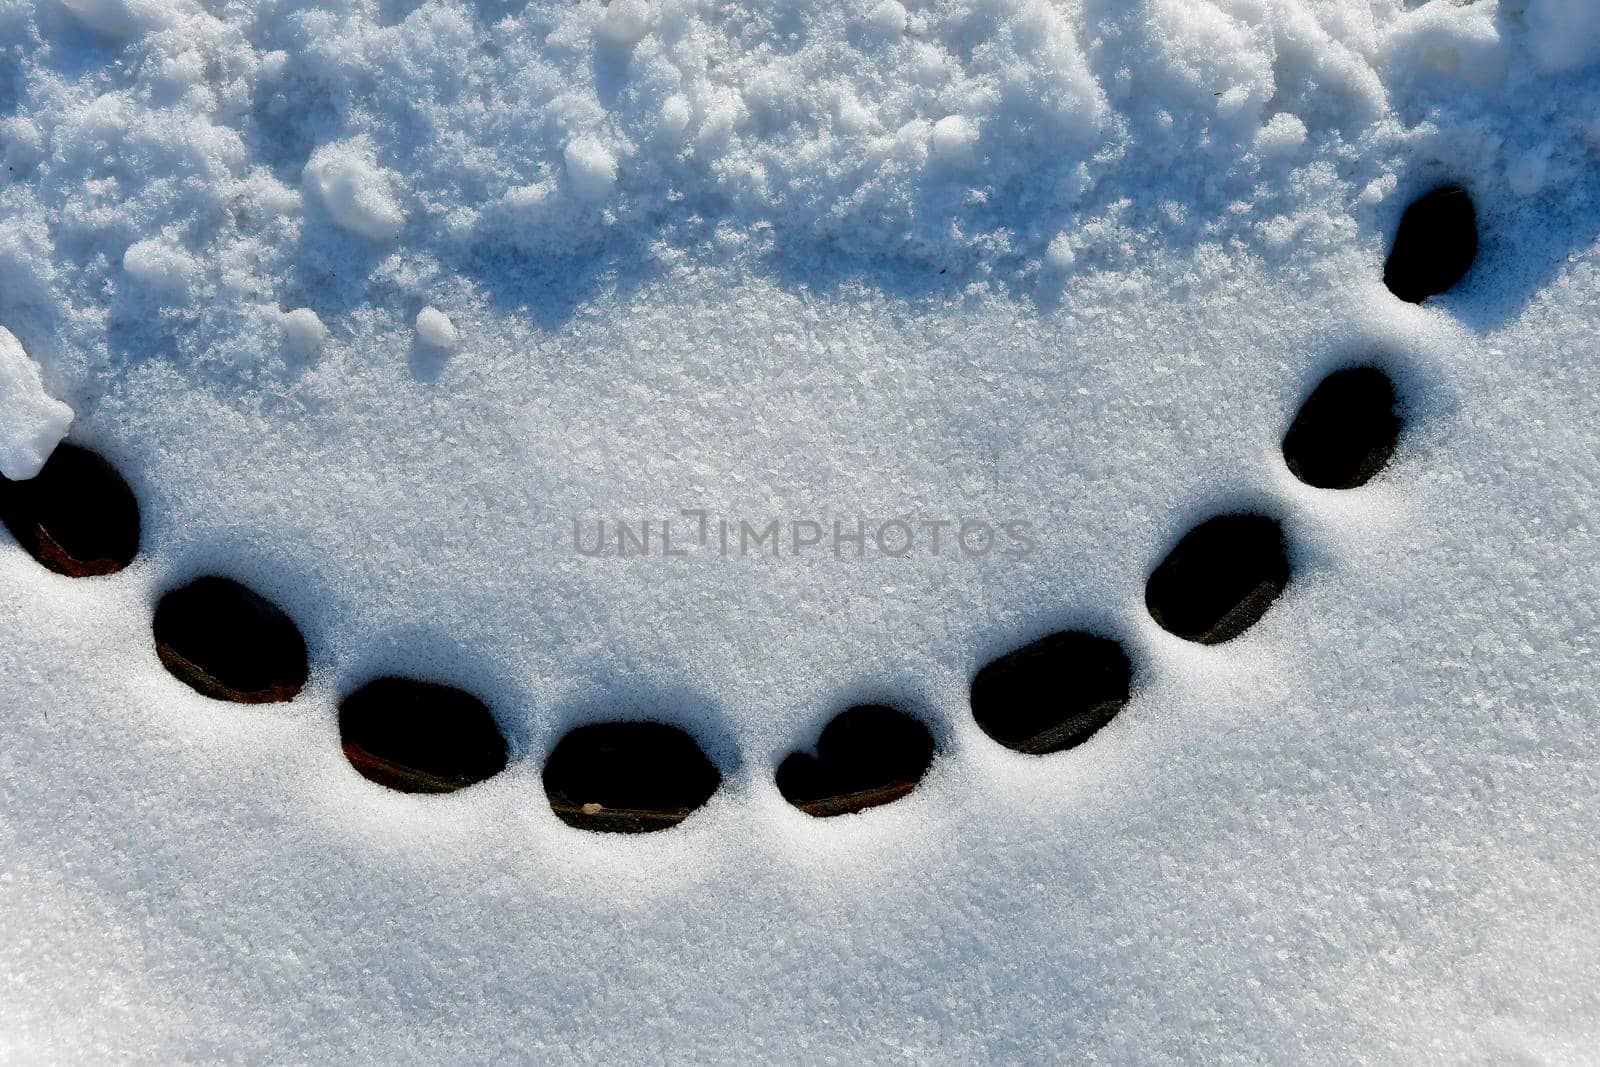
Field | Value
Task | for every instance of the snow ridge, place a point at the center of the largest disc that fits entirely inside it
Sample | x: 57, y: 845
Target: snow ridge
x: 255, y: 160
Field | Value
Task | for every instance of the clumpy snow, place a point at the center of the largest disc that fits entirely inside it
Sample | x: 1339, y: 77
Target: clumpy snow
x: 1281, y: 135
x: 1070, y: 263
x: 953, y: 137
x: 119, y: 18
x: 591, y: 168
x: 303, y: 331
x: 435, y: 328
x: 162, y: 267
x: 34, y: 422
x: 1563, y: 34
x: 355, y: 192
x: 625, y: 23
x: 889, y: 16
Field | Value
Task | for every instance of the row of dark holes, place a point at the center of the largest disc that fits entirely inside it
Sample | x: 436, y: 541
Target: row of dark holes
x: 79, y: 518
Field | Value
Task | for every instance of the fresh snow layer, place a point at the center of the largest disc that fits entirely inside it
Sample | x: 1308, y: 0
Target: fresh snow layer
x: 1071, y: 263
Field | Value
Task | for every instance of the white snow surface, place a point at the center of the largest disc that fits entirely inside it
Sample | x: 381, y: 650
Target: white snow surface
x: 34, y: 422
x: 1074, y: 263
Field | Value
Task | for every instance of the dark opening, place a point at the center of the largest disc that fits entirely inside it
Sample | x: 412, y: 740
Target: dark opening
x: 1052, y: 694
x: 229, y: 643
x: 868, y: 755
x: 628, y: 777
x: 1345, y: 431
x: 1434, y: 246
x: 1220, y: 579
x: 420, y: 737
x: 76, y: 516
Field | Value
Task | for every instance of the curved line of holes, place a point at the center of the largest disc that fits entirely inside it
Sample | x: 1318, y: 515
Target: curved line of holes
x: 79, y: 518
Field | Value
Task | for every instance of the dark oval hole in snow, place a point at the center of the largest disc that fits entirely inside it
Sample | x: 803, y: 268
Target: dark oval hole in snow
x: 628, y: 777
x: 1345, y: 431
x: 1220, y: 579
x: 1054, y: 693
x: 76, y: 516
x: 867, y: 755
x: 420, y: 737
x: 1434, y: 246
x: 230, y: 643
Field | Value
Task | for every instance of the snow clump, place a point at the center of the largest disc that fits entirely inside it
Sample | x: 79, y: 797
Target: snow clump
x: 435, y: 329
x: 355, y: 191
x: 303, y: 331
x: 591, y: 168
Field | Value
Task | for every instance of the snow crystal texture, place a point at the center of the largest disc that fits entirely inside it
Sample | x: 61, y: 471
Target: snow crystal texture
x: 35, y: 422
x: 370, y: 299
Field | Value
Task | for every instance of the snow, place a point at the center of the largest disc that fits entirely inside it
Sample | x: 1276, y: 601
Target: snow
x: 303, y: 331
x: 1563, y: 34
x: 1068, y: 263
x: 35, y: 422
x: 889, y: 17
x: 1281, y: 135
x: 118, y: 18
x: 625, y: 23
x: 953, y: 137
x: 435, y: 328
x: 591, y: 168
x: 355, y: 192
x: 1463, y: 44
x: 161, y: 266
